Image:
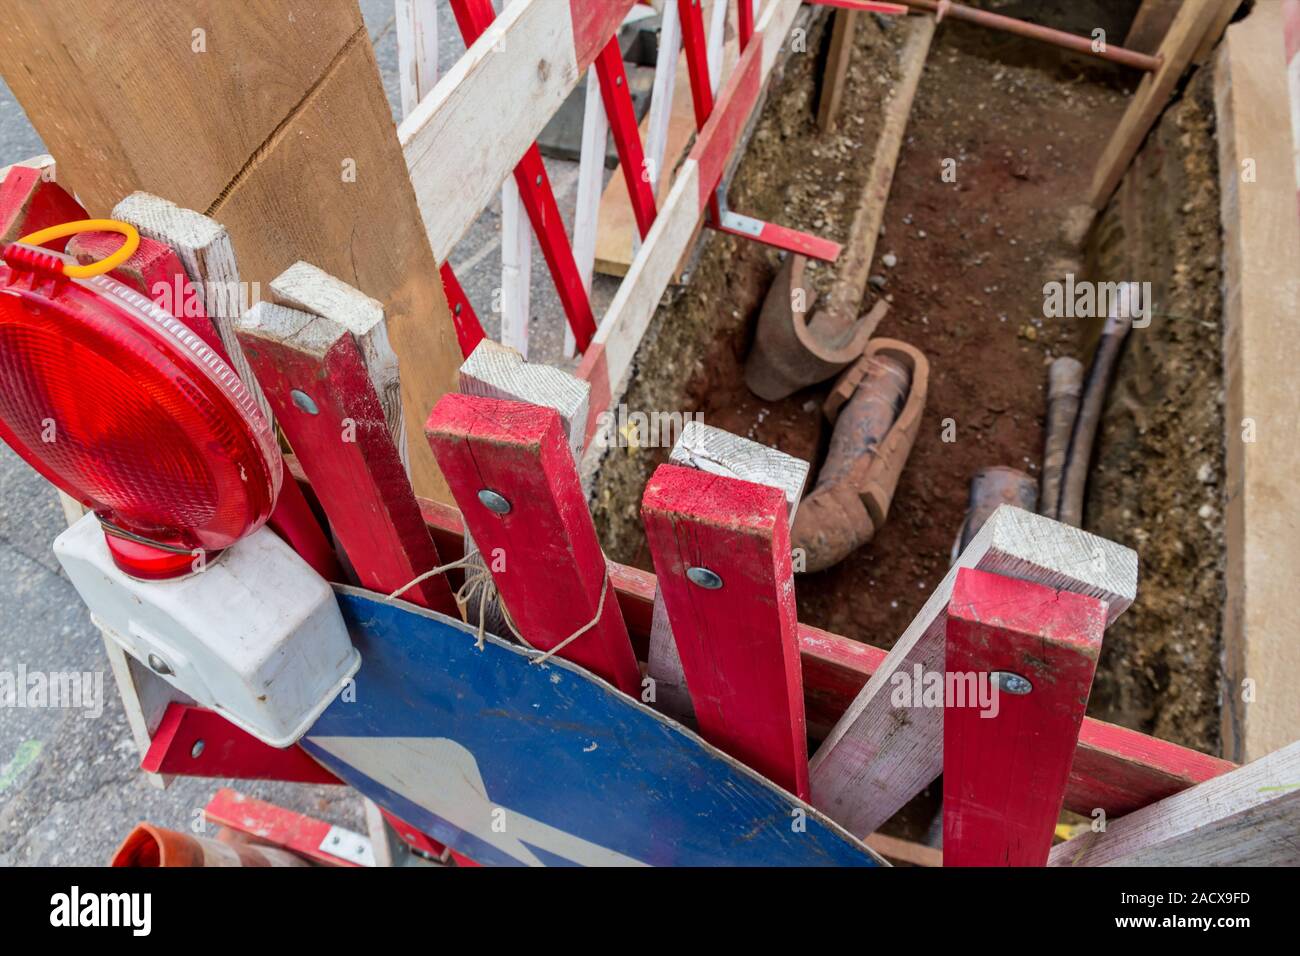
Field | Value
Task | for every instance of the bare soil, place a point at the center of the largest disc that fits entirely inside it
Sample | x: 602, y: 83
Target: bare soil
x: 1025, y: 126
x: 1157, y: 479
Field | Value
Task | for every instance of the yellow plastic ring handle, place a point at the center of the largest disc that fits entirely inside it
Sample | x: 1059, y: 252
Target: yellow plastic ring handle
x: 108, y: 263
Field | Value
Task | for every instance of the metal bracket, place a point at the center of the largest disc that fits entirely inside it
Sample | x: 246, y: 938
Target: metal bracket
x: 780, y: 237
x: 347, y: 845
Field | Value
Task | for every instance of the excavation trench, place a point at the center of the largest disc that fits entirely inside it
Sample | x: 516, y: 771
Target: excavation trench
x: 999, y: 150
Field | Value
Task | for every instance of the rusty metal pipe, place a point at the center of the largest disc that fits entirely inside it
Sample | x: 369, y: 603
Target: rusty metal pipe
x: 1069, y: 41
x: 834, y: 520
x: 990, y: 489
x: 876, y: 407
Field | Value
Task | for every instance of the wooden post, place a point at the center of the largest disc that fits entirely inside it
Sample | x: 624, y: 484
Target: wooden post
x: 316, y: 378
x: 1248, y: 817
x: 1261, y: 286
x: 272, y: 120
x: 512, y: 473
x: 306, y: 288
x: 1018, y: 669
x: 877, y: 757
x: 417, y: 50
x: 837, y: 69
x: 1192, y: 25
x: 721, y: 549
x: 716, y: 452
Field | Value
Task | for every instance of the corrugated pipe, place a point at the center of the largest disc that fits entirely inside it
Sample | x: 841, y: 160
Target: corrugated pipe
x: 1064, y: 387
x: 1075, y: 478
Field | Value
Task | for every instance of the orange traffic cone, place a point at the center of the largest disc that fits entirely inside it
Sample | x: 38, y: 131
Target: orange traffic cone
x: 150, y: 846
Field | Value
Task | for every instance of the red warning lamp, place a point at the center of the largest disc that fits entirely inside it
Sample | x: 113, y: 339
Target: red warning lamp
x: 120, y: 405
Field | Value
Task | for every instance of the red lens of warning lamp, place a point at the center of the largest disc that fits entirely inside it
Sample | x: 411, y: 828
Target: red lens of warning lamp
x: 120, y: 405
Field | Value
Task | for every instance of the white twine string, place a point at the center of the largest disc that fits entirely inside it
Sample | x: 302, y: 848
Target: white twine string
x: 478, y: 583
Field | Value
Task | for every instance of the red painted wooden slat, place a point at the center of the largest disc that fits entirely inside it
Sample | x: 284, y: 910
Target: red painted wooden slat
x: 197, y: 742
x: 1116, y: 769
x: 745, y: 22
x: 1007, y: 755
x: 594, y: 22
x: 548, y: 226
x: 543, y: 553
x: 267, y: 823
x: 28, y: 203
x: 697, y: 59
x: 720, y: 133
x: 737, y: 641
x: 469, y: 330
x: 617, y: 98
x: 473, y: 17
x: 343, y: 444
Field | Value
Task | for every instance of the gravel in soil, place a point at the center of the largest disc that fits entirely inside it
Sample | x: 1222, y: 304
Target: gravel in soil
x: 963, y: 264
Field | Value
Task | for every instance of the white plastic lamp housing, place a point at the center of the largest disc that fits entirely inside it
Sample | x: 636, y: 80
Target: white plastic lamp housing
x: 257, y: 635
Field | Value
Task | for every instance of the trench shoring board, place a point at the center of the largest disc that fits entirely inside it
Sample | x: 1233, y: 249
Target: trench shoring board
x: 512, y: 763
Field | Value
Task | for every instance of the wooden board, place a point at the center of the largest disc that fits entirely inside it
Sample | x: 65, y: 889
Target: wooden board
x: 835, y: 75
x: 1249, y: 817
x: 1261, y: 283
x: 278, y: 128
x: 616, y: 222
x: 1116, y: 769
x: 1193, y: 21
x: 465, y: 137
x: 878, y: 756
x: 737, y: 641
x: 1007, y: 754
x: 570, y: 770
x: 1150, y: 25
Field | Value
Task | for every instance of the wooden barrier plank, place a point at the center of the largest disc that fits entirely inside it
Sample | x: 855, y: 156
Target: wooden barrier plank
x: 266, y: 823
x: 1008, y: 743
x: 715, y: 452
x: 1186, y: 33
x: 1249, y: 817
x: 1115, y: 769
x: 734, y: 623
x: 542, y: 550
x: 30, y: 200
x: 466, y: 136
x: 877, y: 757
x: 316, y: 379
x: 1261, y: 292
x: 417, y: 50
x: 306, y: 288
x: 627, y: 138
x: 196, y: 742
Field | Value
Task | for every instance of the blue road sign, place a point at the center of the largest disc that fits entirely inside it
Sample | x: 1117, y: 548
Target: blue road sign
x: 513, y: 763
